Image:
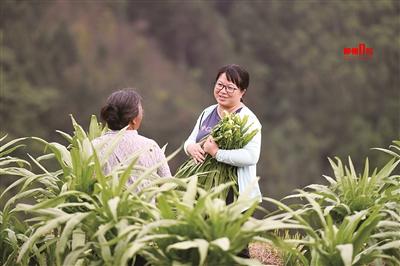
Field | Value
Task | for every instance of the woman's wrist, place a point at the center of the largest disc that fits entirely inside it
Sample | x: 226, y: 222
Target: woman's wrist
x: 210, y: 146
x: 212, y: 150
x: 214, y: 153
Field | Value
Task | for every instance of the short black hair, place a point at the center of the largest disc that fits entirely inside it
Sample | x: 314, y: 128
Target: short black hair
x: 121, y: 107
x: 236, y: 74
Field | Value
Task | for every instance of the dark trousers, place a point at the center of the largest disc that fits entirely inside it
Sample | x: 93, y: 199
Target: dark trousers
x: 229, y: 199
x: 140, y: 261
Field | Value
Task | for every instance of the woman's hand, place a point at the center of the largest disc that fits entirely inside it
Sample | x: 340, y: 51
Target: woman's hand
x: 196, y: 152
x: 210, y: 146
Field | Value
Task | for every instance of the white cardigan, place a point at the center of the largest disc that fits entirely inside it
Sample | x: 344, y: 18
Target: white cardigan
x: 245, y: 159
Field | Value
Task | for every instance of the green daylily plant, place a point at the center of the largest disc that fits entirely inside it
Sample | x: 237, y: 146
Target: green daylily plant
x: 355, y: 220
x: 78, y: 215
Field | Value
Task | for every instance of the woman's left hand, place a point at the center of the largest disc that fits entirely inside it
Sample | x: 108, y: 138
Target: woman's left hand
x: 210, y: 146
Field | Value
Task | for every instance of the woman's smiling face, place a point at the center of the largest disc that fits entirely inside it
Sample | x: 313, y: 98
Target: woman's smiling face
x: 226, y: 93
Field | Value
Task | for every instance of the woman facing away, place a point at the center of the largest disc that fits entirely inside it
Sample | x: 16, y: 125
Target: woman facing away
x: 123, y: 108
x: 231, y: 84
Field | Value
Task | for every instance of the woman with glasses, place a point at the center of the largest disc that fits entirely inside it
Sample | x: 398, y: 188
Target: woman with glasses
x: 230, y: 86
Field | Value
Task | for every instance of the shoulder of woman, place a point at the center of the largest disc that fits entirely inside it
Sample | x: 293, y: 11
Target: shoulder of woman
x: 252, y: 117
x: 101, y: 139
x: 209, y: 108
x: 147, y: 140
x: 150, y: 144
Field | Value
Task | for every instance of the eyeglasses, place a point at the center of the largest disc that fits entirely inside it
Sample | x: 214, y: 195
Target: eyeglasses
x: 229, y: 88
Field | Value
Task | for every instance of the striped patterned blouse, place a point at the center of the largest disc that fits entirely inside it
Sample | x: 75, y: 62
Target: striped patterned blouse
x: 132, y: 143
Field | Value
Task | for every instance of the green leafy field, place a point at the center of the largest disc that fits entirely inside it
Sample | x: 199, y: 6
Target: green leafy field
x: 77, y: 215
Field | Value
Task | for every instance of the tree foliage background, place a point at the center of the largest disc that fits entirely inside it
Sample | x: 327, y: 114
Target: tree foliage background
x: 65, y: 57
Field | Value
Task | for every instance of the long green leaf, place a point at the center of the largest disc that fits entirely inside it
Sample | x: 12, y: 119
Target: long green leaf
x: 71, y: 224
x: 40, y: 232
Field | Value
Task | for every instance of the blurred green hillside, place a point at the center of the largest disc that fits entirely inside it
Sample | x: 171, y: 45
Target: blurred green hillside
x: 65, y: 57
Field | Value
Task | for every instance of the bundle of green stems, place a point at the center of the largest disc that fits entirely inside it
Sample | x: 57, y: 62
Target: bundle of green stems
x: 231, y: 132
